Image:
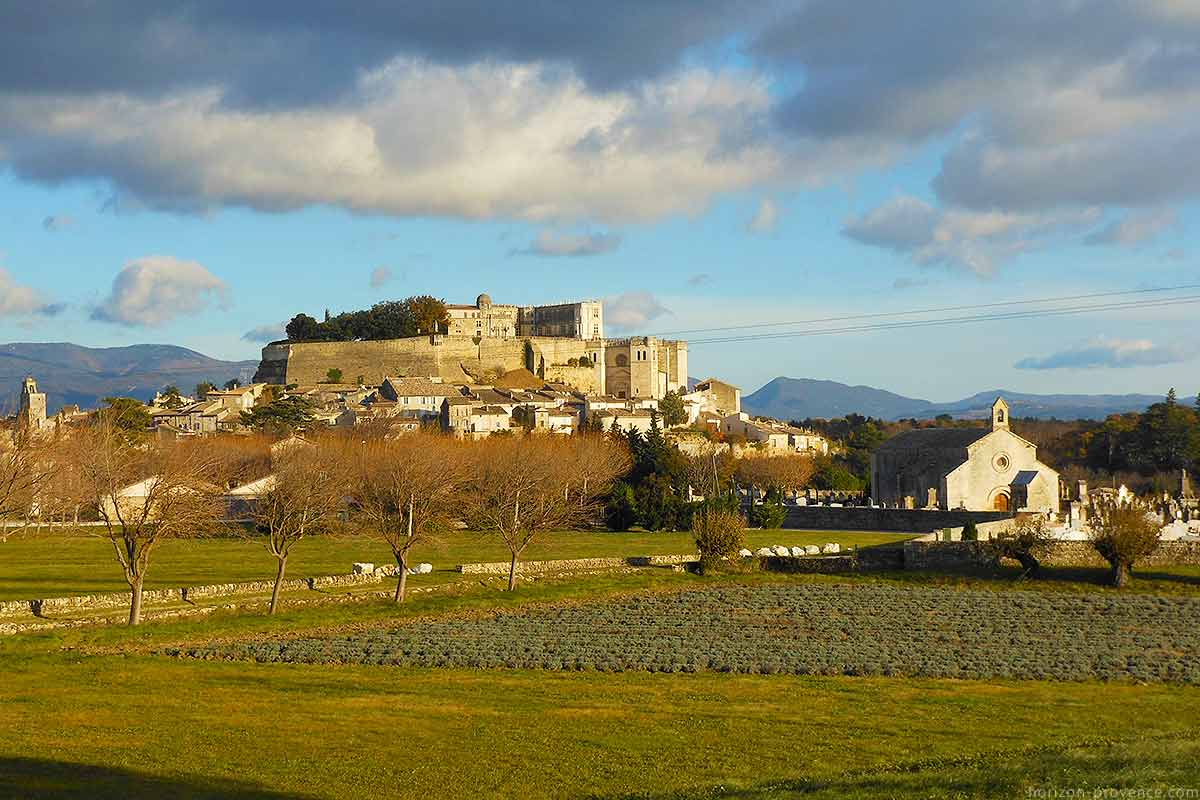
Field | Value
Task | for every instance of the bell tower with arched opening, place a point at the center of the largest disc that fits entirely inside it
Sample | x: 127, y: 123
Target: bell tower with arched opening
x: 1000, y: 415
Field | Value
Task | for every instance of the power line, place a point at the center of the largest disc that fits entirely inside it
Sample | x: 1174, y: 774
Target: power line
x: 928, y: 323
x: 943, y: 309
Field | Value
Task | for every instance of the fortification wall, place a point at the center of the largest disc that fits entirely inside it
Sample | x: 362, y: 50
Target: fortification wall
x: 883, y: 519
x: 307, y: 363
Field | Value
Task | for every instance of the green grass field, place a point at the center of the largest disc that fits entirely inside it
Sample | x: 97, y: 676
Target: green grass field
x: 93, y: 712
x: 59, y: 566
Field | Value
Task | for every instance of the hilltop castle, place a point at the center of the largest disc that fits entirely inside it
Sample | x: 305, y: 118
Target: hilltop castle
x: 562, y: 343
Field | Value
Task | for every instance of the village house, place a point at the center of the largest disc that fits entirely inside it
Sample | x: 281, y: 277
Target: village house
x: 714, y: 396
x: 205, y: 416
x: 625, y: 420
x: 421, y: 395
x: 774, y: 435
x: 241, y: 398
x: 977, y: 469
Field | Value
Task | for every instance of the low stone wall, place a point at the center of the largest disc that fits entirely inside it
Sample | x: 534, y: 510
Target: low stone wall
x: 1082, y: 554
x: 899, y: 520
x: 184, y: 594
x: 947, y: 555
x: 810, y: 564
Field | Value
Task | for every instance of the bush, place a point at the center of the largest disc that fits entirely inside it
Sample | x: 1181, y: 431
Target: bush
x: 970, y: 532
x: 769, y: 515
x: 1027, y: 542
x: 1123, y: 533
x: 719, y: 535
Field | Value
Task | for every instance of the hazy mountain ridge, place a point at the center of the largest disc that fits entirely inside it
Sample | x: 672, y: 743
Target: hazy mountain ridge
x: 798, y: 398
x: 71, y: 373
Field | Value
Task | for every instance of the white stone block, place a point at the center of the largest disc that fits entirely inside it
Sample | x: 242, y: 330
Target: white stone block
x: 831, y: 547
x: 780, y: 550
x: 362, y: 568
x: 812, y: 550
x: 744, y: 553
x: 797, y: 551
x: 424, y: 568
x: 763, y: 551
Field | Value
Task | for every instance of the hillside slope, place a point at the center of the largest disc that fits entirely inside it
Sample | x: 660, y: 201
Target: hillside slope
x: 71, y: 373
x: 798, y: 398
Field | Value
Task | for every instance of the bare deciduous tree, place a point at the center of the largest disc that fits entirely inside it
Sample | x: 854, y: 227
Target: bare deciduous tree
x: 25, y: 469
x: 144, y: 493
x: 408, y: 491
x: 783, y: 473
x: 302, y: 496
x: 521, y: 488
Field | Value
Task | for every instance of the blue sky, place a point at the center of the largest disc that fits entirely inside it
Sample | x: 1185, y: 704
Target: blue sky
x: 193, y: 176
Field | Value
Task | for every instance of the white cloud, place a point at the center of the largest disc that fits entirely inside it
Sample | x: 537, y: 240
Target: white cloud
x: 554, y: 243
x: 977, y: 241
x: 493, y: 140
x: 632, y: 310
x: 1111, y: 353
x: 17, y: 300
x: 1134, y: 228
x: 156, y: 289
x: 380, y: 276
x: 765, y: 217
x: 265, y: 333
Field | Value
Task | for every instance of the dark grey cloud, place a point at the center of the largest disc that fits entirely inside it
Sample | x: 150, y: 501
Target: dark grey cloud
x: 1110, y: 353
x: 978, y: 241
x: 554, y: 244
x: 290, y: 52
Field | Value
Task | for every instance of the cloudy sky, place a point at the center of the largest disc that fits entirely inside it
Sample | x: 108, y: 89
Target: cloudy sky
x: 198, y: 172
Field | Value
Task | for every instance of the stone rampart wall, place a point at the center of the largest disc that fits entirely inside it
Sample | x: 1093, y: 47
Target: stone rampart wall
x: 307, y: 363
x: 883, y: 519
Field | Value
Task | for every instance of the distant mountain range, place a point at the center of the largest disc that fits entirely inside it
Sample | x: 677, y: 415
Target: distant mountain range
x: 70, y: 373
x: 799, y: 398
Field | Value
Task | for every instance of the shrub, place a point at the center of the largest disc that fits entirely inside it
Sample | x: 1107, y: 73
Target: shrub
x: 1027, y: 543
x: 1123, y: 533
x: 719, y: 535
x: 334, y: 375
x: 970, y: 532
x: 769, y: 515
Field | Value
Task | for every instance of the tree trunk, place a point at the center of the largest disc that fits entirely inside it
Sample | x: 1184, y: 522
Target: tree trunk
x: 402, y: 578
x: 512, y: 572
x: 278, y: 584
x: 135, y: 601
x: 1120, y: 574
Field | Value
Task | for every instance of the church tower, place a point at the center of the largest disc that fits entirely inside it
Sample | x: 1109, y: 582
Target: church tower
x: 1000, y: 415
x: 32, y: 416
